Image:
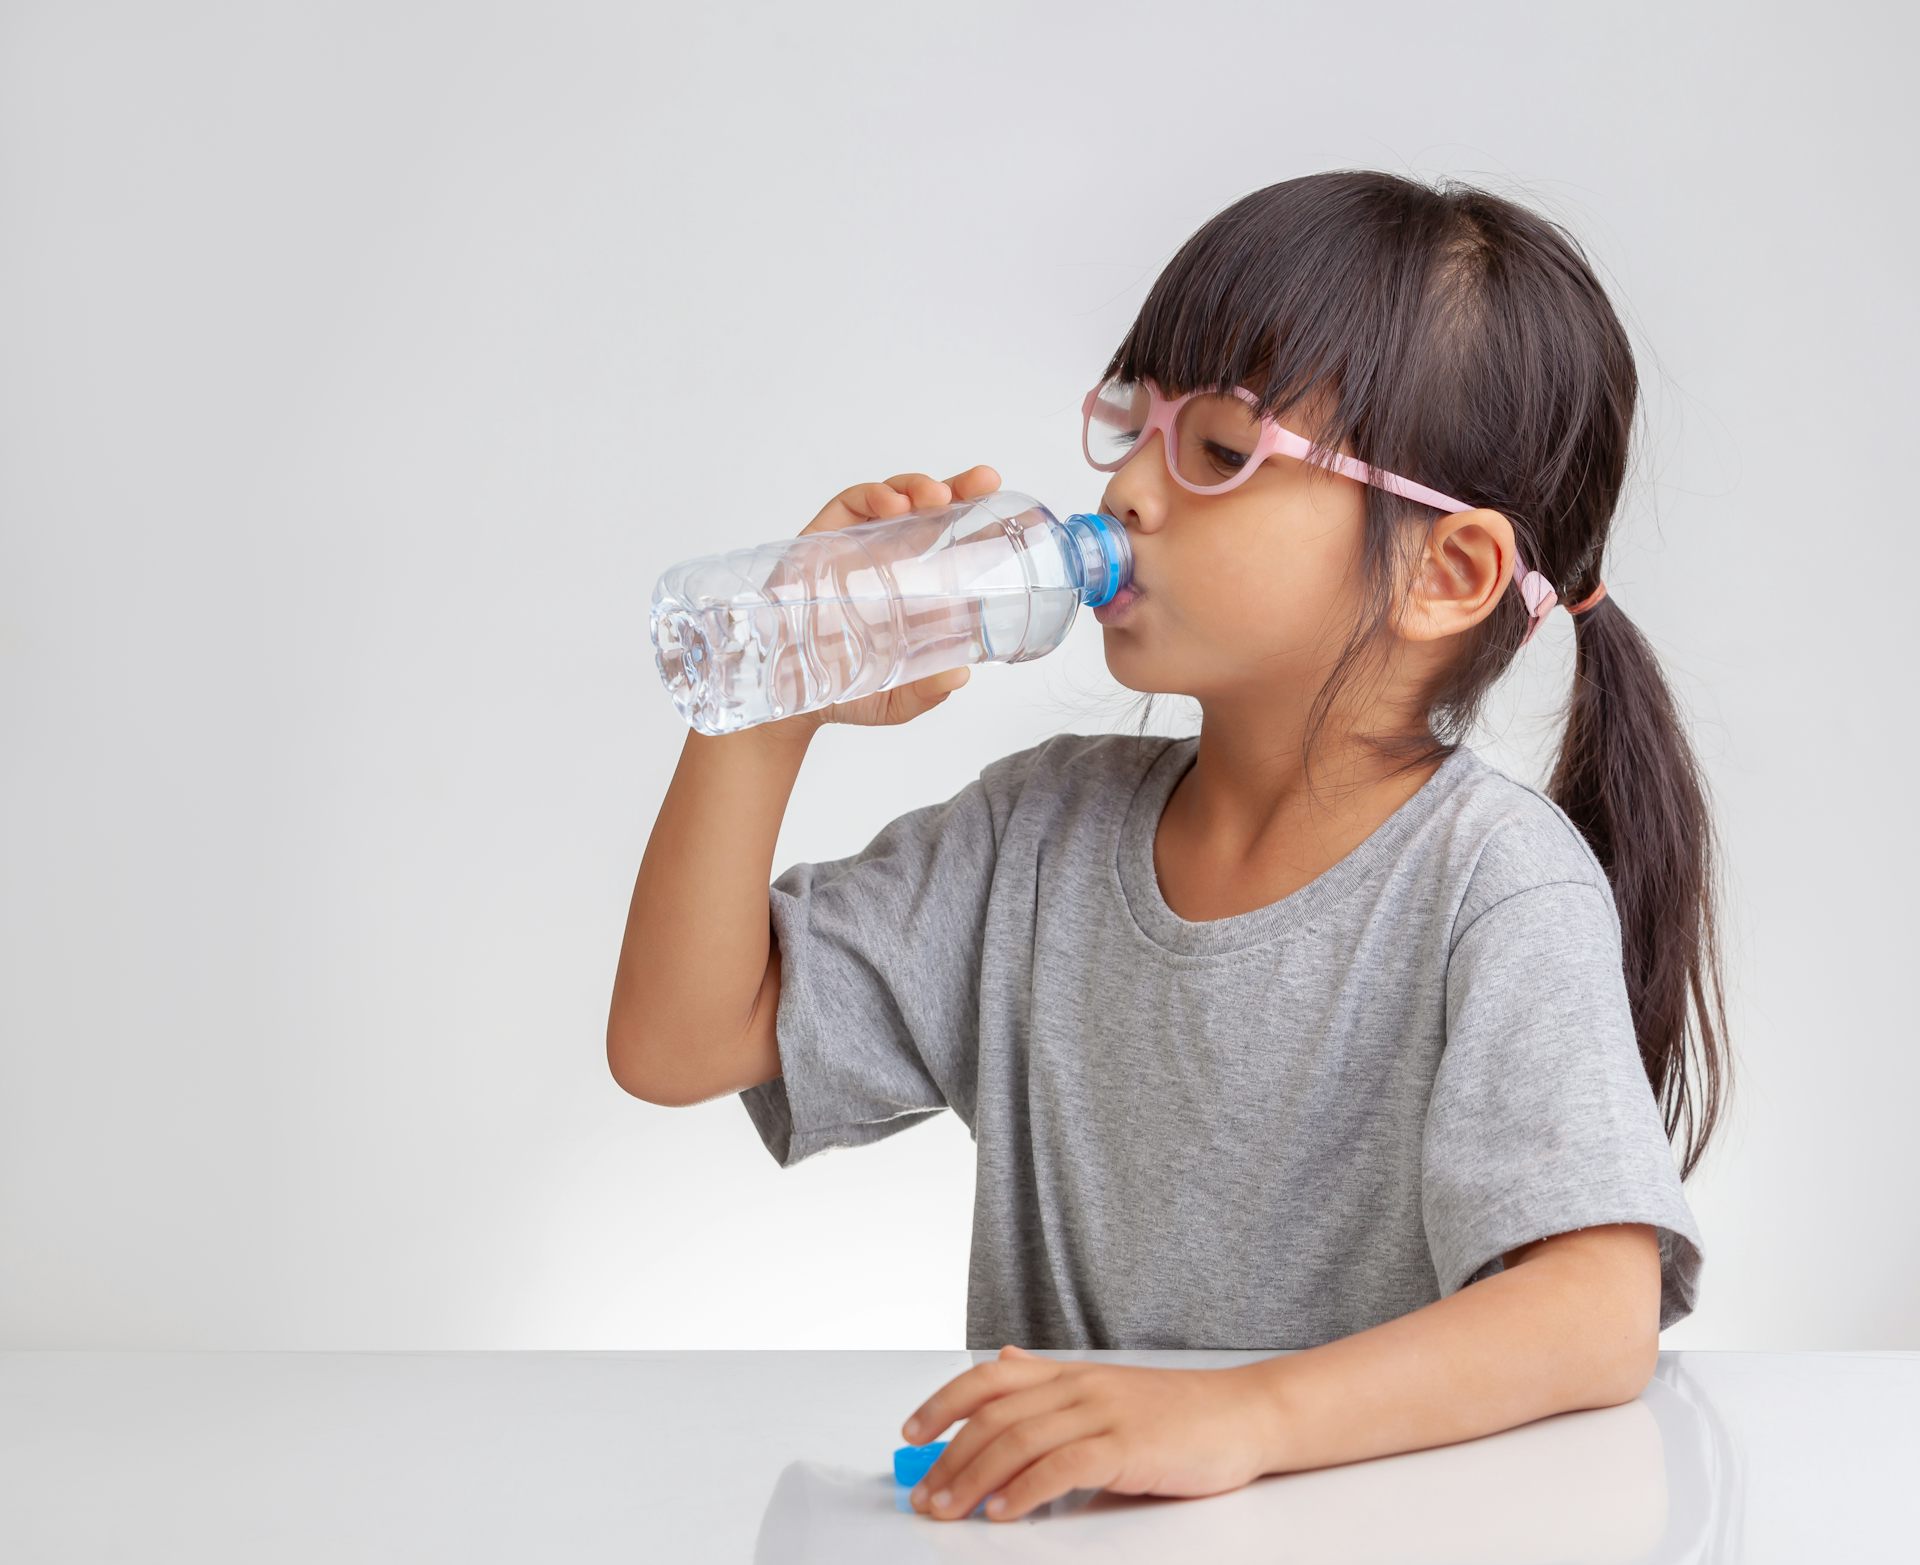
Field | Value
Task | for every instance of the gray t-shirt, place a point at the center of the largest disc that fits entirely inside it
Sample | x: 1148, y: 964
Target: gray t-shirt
x: 1258, y: 1132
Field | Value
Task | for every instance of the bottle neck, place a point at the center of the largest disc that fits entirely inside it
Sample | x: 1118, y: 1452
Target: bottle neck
x: 1104, y: 553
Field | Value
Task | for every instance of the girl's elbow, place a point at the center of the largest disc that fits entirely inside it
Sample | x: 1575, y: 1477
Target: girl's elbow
x: 1632, y: 1368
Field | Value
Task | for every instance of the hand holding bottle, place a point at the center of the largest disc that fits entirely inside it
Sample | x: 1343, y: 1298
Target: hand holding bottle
x: 900, y: 494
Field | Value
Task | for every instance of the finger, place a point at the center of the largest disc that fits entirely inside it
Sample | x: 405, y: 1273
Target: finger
x: 1087, y: 1463
x: 924, y: 491
x: 935, y: 688
x: 996, y: 1445
x: 968, y: 1390
x: 879, y: 499
x: 986, y: 1426
x: 974, y: 482
x: 860, y: 503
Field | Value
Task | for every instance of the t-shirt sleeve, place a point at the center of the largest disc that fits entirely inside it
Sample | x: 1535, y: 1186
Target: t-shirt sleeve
x: 1542, y: 1119
x: 880, y: 952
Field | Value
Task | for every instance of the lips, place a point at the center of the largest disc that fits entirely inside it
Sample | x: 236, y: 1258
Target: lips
x: 1119, y: 607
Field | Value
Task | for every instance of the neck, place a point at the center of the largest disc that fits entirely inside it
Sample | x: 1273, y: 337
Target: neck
x: 1250, y: 797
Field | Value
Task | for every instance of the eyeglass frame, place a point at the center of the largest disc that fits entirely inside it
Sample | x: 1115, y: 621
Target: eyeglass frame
x: 1274, y: 437
x: 1535, y: 590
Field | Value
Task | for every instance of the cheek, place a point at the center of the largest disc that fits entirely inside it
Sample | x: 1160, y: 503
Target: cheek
x: 1297, y: 559
x: 1258, y: 589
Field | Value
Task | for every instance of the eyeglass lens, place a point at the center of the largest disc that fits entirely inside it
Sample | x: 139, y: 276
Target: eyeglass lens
x: 1214, y: 433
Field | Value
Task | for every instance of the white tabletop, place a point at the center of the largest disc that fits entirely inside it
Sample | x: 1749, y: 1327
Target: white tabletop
x: 774, y: 1456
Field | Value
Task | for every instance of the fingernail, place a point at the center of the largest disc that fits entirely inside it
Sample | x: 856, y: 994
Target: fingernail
x: 942, y: 1499
x: 913, y: 1427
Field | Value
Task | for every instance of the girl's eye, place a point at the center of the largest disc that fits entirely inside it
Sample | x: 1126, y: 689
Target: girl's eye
x: 1226, y: 459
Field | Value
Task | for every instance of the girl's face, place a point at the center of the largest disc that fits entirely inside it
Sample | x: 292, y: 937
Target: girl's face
x: 1249, y: 591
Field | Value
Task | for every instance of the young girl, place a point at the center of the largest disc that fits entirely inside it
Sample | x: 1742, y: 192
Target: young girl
x: 1312, y: 1030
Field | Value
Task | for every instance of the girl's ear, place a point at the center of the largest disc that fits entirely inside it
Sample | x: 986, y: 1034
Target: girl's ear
x: 1466, y: 565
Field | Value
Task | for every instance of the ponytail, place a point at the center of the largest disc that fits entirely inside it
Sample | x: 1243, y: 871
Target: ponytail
x: 1627, y: 777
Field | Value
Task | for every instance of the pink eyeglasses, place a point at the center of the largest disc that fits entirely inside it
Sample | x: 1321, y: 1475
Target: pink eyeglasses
x: 1213, y: 441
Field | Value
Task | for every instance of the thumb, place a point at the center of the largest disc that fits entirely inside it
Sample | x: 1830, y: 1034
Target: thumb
x: 948, y: 679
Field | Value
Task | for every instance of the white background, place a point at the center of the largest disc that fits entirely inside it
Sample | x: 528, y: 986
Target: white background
x: 362, y: 366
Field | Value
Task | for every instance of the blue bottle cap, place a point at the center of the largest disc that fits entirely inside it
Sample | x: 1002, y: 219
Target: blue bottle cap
x: 910, y: 1462
x: 1112, y: 549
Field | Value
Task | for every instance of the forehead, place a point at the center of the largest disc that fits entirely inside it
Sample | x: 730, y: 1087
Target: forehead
x: 1303, y: 409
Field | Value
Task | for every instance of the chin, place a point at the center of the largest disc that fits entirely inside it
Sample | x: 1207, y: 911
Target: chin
x: 1136, y: 679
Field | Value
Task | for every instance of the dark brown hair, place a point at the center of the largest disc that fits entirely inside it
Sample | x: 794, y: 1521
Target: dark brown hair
x: 1463, y: 340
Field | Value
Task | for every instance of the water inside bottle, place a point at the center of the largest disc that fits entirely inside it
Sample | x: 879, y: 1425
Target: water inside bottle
x: 729, y: 666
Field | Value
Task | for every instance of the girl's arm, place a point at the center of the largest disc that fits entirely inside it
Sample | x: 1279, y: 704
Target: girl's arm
x: 698, y: 955
x: 1573, y: 1322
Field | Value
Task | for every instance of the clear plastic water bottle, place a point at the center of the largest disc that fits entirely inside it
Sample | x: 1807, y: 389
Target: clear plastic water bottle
x: 765, y: 632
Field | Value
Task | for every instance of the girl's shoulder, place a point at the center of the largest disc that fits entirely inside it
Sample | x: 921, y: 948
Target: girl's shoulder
x: 1070, y: 772
x: 1067, y: 760
x: 1508, y: 836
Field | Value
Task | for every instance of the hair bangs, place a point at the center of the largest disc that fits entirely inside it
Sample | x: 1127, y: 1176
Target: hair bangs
x: 1318, y: 312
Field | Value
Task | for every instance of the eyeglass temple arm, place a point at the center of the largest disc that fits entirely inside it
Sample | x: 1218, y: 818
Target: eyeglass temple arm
x: 1534, y: 588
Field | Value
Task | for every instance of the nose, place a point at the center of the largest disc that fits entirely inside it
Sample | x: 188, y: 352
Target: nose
x: 1130, y: 478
